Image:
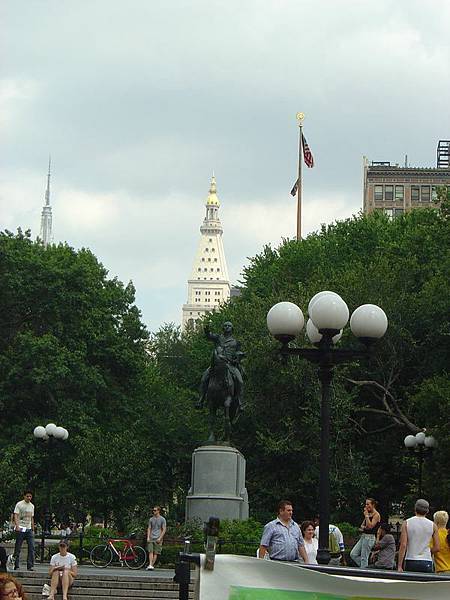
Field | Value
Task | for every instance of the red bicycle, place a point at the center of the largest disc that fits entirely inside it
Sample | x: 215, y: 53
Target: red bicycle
x: 130, y: 554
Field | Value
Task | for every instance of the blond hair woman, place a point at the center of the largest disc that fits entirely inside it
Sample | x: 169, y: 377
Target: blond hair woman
x: 442, y: 558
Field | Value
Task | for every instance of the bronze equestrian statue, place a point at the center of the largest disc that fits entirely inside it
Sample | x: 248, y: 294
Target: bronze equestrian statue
x: 222, y: 384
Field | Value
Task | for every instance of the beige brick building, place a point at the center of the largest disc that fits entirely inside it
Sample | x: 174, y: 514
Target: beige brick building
x: 395, y: 189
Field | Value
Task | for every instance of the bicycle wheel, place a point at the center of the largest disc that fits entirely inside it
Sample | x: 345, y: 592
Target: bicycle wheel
x: 101, y: 555
x: 135, y: 557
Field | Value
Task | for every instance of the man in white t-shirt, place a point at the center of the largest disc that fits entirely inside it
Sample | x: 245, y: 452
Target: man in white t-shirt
x: 63, y: 570
x: 24, y: 528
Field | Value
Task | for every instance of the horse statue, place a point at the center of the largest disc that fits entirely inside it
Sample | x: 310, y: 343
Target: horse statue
x: 222, y: 385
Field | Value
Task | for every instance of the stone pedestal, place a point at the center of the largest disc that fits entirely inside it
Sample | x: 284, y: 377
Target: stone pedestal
x: 217, y: 484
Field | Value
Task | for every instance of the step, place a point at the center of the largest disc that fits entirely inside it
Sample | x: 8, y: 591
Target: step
x: 104, y: 585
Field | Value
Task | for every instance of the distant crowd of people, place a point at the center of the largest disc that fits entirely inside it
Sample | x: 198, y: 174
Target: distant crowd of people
x: 424, y: 544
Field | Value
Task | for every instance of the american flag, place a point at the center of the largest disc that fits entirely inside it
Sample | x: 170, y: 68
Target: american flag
x: 309, y: 161
x: 307, y: 155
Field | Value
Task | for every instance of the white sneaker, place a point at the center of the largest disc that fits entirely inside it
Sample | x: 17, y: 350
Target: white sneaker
x: 150, y: 568
x: 46, y: 590
x: 10, y: 563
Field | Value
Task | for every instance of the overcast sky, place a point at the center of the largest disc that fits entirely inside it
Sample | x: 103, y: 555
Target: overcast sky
x: 138, y: 101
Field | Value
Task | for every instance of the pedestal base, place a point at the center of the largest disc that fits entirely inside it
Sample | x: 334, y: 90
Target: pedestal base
x: 217, y: 484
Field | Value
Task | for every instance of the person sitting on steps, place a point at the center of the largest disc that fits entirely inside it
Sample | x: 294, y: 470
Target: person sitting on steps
x: 63, y: 570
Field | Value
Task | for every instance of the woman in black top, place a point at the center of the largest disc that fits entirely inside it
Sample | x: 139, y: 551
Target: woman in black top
x: 369, y: 527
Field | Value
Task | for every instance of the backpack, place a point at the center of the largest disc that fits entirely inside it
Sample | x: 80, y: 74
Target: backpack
x: 333, y: 544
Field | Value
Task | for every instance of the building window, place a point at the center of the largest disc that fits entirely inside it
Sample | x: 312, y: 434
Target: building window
x: 199, y: 269
x: 425, y: 193
x: 378, y: 192
x: 206, y: 250
x: 203, y: 260
x: 211, y: 269
x: 205, y: 269
x: 399, y: 193
x: 414, y: 193
x: 209, y: 260
x: 217, y: 269
x: 213, y: 249
x: 389, y: 212
x: 398, y: 212
x: 210, y: 239
x: 389, y: 193
x: 215, y: 260
x: 434, y: 195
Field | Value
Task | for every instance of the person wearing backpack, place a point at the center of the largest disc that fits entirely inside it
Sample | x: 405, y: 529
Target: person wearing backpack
x: 335, y: 543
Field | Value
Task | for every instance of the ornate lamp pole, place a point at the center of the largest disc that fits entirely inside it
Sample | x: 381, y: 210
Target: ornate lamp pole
x: 328, y: 316
x: 420, y: 445
x: 49, y: 434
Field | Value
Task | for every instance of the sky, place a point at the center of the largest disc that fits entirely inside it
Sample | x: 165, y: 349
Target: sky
x: 139, y: 101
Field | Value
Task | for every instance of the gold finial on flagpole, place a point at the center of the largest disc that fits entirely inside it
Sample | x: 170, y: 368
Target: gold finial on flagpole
x: 300, y: 116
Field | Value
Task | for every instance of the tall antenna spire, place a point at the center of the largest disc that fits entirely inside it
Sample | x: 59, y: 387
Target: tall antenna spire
x: 47, y: 191
x: 46, y: 234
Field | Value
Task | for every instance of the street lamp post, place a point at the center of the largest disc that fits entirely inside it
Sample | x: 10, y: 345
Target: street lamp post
x: 421, y: 445
x: 49, y: 434
x: 328, y: 316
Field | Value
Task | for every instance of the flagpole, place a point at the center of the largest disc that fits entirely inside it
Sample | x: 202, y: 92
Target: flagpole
x: 300, y: 116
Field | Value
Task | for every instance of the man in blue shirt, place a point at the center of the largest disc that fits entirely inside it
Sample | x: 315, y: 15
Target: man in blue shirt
x: 282, y: 537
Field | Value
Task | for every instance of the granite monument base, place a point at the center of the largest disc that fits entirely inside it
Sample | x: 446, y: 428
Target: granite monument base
x: 217, y: 484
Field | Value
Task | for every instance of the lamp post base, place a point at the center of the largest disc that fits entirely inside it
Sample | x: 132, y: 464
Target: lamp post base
x: 323, y: 556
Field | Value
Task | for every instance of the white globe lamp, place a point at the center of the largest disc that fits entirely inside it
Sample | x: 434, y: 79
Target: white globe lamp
x: 285, y: 321
x: 329, y: 312
x: 410, y: 441
x: 369, y: 321
x: 39, y: 432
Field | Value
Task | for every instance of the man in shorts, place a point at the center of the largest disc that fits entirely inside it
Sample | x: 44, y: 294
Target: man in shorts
x: 155, y: 535
x: 63, y: 570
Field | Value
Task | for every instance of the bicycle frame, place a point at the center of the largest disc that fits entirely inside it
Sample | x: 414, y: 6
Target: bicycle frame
x: 120, y: 553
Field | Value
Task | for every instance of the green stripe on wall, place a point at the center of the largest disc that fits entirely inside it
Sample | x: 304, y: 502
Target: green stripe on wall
x: 244, y: 593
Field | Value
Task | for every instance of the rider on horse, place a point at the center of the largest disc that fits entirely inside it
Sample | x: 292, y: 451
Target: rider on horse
x: 230, y: 349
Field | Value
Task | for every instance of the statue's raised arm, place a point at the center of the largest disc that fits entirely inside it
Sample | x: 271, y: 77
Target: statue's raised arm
x: 212, y: 337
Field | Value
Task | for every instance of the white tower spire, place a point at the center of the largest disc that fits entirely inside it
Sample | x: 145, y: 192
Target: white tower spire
x: 46, y: 234
x: 208, y: 285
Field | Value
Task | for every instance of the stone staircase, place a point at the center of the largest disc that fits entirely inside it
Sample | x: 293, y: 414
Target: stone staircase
x: 102, y: 586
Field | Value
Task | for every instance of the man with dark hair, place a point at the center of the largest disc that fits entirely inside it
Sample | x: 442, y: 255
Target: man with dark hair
x: 417, y: 534
x: 24, y: 527
x: 384, y: 548
x: 282, y: 537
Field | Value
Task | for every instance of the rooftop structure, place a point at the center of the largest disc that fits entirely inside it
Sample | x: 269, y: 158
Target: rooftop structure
x: 396, y: 189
